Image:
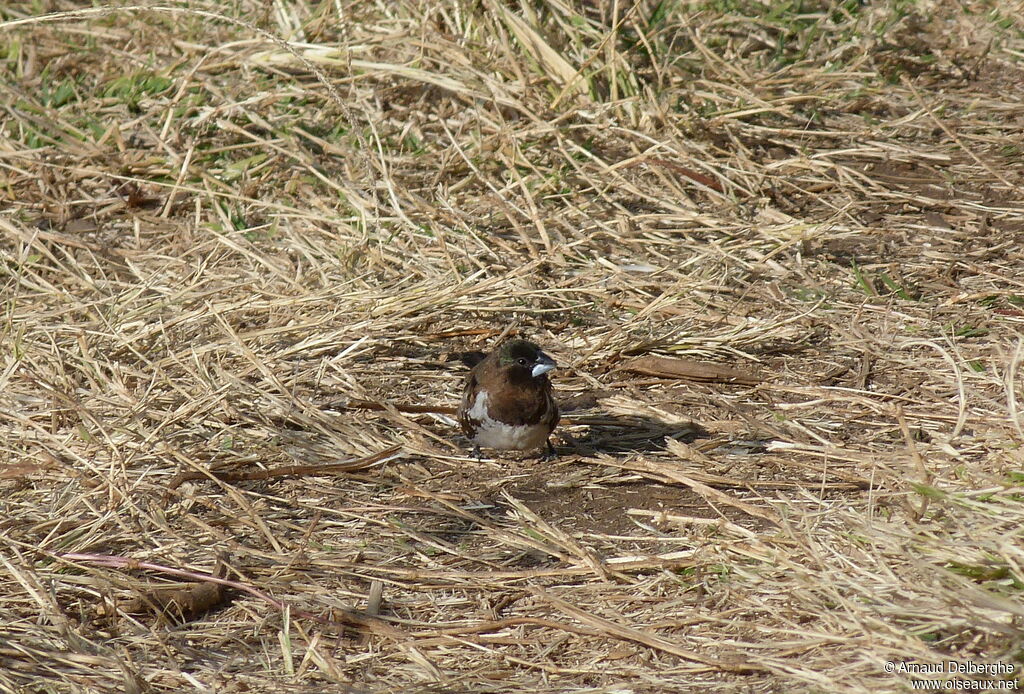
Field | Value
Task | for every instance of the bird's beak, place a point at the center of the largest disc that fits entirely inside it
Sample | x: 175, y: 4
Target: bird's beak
x: 543, y: 365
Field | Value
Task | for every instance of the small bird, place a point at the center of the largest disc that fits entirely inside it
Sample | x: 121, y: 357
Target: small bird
x: 507, y: 402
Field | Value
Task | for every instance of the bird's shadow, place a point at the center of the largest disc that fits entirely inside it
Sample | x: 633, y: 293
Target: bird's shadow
x: 617, y: 433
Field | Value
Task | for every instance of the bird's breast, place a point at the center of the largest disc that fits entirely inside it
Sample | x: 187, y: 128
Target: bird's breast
x: 494, y: 433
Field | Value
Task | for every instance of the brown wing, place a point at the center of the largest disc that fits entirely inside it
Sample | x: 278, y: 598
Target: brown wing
x: 467, y: 423
x: 530, y: 402
x: 552, y: 414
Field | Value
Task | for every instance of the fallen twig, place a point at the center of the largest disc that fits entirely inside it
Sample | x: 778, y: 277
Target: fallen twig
x: 286, y: 471
x: 339, y: 618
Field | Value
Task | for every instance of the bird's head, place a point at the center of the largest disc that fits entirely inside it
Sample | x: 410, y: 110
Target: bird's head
x: 524, y: 359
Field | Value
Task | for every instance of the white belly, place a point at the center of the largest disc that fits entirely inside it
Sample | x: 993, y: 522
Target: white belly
x: 494, y: 434
x: 502, y: 436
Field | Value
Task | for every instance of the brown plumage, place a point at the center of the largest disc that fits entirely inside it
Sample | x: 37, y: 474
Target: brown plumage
x: 507, y: 402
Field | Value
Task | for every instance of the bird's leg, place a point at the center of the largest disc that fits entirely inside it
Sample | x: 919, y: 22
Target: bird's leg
x: 476, y: 453
x: 551, y: 454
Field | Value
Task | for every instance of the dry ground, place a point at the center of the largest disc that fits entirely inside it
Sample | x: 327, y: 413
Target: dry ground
x: 220, y: 221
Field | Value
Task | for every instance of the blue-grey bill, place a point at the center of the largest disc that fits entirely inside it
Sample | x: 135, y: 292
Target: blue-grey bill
x: 543, y: 365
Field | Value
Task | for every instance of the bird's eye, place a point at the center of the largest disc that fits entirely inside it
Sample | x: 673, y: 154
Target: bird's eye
x: 522, y: 361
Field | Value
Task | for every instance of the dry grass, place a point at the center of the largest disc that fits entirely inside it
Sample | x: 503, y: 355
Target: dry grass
x: 214, y: 227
